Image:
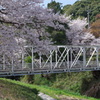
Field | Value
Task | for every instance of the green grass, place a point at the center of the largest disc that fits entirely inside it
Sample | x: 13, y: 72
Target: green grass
x: 9, y: 90
x: 47, y: 90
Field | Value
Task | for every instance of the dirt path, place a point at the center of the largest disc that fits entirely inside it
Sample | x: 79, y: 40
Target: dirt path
x: 68, y: 98
x: 46, y: 97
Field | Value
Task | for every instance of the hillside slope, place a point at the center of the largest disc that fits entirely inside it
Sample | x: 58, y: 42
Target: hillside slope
x: 15, y: 90
x: 80, y: 8
x: 12, y: 91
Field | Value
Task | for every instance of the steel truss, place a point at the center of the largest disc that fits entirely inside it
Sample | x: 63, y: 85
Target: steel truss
x: 61, y: 59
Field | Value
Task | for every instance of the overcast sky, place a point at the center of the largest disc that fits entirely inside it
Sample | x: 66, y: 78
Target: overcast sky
x: 64, y: 2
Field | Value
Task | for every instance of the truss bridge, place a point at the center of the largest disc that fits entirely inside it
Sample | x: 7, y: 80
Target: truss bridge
x: 59, y: 59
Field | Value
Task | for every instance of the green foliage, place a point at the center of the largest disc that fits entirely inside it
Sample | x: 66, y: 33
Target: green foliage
x: 39, y: 80
x: 27, y: 79
x: 56, y: 6
x: 65, y: 8
x: 66, y: 81
x: 80, y: 8
x: 58, y: 36
x: 28, y: 59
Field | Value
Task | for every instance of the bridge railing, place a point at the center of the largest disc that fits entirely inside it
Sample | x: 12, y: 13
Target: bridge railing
x: 64, y: 58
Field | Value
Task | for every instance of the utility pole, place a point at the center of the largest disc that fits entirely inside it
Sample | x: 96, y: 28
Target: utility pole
x: 88, y: 17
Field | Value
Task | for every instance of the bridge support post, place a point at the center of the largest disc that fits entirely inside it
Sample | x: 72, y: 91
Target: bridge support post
x: 51, y: 59
x: 97, y: 57
x: 71, y: 56
x: 4, y: 67
x: 56, y: 57
x: 68, y: 60
x: 84, y: 57
x: 32, y: 59
x: 12, y: 65
x: 40, y: 59
x: 22, y: 59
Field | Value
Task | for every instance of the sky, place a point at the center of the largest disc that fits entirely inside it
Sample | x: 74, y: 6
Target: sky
x: 64, y: 2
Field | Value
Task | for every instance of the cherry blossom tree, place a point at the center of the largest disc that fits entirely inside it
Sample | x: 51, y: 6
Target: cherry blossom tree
x: 78, y: 34
x: 23, y: 22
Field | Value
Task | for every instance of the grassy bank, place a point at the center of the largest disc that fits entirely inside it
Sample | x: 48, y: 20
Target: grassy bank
x: 27, y: 90
x: 9, y: 90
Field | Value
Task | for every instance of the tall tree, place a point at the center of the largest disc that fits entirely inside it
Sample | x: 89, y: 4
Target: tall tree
x: 78, y: 34
x: 58, y: 36
x: 55, y: 6
x: 24, y: 22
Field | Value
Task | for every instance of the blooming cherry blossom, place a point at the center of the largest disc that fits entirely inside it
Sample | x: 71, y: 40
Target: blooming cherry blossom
x: 78, y: 34
x: 23, y: 22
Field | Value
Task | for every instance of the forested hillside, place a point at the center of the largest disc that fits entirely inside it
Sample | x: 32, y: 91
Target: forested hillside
x: 81, y: 7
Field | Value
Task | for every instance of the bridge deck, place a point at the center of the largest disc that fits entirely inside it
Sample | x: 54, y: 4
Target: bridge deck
x: 45, y: 70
